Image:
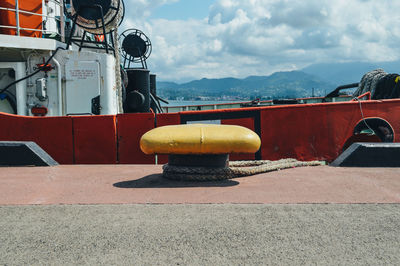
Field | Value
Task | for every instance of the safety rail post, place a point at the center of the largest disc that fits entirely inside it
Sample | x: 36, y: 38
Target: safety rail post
x: 62, y: 21
x: 368, y: 93
x: 17, y: 16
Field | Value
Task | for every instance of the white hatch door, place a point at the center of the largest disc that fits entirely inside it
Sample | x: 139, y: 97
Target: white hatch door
x: 82, y: 87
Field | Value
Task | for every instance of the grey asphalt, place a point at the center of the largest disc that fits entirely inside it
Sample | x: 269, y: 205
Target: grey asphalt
x: 200, y: 234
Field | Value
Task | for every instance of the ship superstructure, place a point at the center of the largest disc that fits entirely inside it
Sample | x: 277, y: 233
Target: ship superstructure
x: 44, y: 71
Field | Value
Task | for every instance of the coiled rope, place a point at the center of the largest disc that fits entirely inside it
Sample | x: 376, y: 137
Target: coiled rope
x: 234, y: 170
x: 118, y: 78
x: 381, y: 85
x: 111, y: 18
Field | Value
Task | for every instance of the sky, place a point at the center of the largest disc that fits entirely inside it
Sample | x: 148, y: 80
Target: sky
x: 194, y: 39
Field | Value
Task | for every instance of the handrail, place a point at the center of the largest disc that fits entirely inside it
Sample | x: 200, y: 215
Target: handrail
x: 368, y: 93
x: 17, y: 16
x: 45, y: 17
x: 335, y: 93
x: 27, y: 29
x: 25, y: 12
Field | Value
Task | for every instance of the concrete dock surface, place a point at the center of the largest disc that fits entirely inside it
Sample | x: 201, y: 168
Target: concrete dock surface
x: 128, y: 214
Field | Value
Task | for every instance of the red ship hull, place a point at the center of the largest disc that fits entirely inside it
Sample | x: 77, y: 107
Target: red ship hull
x: 305, y: 132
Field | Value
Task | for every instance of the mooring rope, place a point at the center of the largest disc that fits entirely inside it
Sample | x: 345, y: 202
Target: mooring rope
x: 111, y: 19
x: 381, y: 85
x: 234, y: 170
x: 118, y: 81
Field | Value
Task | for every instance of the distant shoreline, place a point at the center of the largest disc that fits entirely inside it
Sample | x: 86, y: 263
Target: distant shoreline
x: 185, y: 103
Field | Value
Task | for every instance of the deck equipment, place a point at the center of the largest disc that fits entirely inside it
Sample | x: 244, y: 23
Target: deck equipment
x: 98, y: 17
x: 200, y: 152
x: 136, y: 48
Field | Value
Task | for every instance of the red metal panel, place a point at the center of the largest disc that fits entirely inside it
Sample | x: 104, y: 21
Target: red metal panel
x: 244, y: 122
x: 304, y: 132
x: 130, y: 128
x: 95, y: 139
x: 53, y: 134
x: 388, y: 110
x: 318, y: 131
x: 168, y: 119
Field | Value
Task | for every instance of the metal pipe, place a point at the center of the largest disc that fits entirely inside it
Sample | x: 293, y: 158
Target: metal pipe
x: 29, y: 68
x: 23, y: 12
x: 17, y: 15
x: 62, y: 21
x: 20, y: 88
x: 335, y: 93
x: 14, y: 27
x: 27, y: 12
x: 368, y: 93
x: 59, y: 87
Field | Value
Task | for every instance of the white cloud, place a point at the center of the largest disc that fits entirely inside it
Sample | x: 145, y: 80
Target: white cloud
x: 257, y: 37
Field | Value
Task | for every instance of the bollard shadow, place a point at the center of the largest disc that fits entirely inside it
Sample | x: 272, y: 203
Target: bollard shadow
x: 157, y: 181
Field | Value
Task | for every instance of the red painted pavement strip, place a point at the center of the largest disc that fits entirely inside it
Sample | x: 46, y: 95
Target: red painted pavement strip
x: 130, y: 184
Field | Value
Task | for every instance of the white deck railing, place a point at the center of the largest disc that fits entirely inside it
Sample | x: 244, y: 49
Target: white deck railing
x: 45, y: 17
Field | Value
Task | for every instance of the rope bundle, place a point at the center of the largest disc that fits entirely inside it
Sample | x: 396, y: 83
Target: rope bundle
x: 112, y: 18
x: 235, y: 169
x: 381, y: 85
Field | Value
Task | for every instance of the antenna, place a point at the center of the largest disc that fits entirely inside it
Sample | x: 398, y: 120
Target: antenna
x: 136, y: 47
x: 98, y: 17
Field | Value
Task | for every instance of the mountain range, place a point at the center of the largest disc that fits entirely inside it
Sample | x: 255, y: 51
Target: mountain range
x: 317, y: 79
